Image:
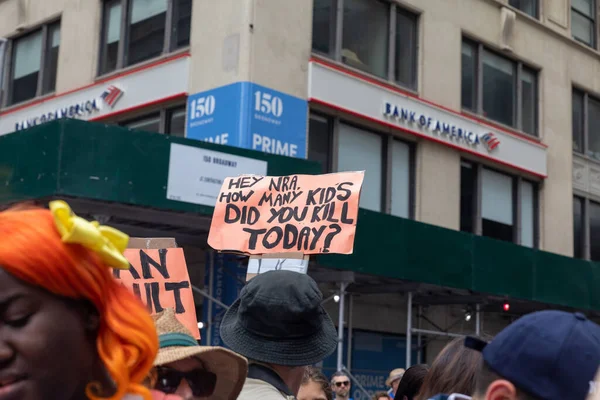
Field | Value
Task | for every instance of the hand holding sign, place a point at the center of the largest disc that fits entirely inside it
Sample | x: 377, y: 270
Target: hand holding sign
x: 309, y: 214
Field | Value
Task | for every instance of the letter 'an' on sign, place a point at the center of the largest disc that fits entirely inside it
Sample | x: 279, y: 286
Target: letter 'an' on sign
x: 160, y: 279
x: 308, y: 214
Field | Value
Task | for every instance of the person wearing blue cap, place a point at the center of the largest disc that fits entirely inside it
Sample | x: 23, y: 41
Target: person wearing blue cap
x: 546, y: 355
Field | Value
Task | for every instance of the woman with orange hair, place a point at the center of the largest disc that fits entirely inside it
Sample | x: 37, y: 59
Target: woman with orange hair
x: 68, y: 330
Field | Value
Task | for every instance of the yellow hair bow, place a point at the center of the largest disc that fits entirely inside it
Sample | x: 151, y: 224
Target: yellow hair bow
x: 108, y: 242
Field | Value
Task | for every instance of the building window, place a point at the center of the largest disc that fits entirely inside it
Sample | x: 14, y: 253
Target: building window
x: 387, y: 162
x: 497, y: 205
x: 586, y: 229
x: 498, y: 88
x: 529, y: 7
x: 34, y: 63
x: 169, y: 121
x: 367, y: 28
x: 586, y: 124
x: 134, y: 31
x: 583, y: 21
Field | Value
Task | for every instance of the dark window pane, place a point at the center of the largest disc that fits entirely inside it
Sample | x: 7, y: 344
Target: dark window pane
x: 577, y: 121
x: 148, y: 124
x: 323, y: 26
x: 594, y: 231
x: 527, y: 6
x: 528, y: 210
x: 529, y: 101
x: 578, y: 227
x: 405, y: 70
x: 176, y: 123
x: 182, y: 22
x: 112, y: 36
x: 319, y: 143
x: 585, y: 7
x: 467, y: 197
x: 498, y: 88
x: 146, y: 30
x: 51, y: 59
x: 497, y: 205
x: 365, y: 39
x: 27, y: 58
x: 593, y: 128
x: 469, y: 75
x: 582, y: 28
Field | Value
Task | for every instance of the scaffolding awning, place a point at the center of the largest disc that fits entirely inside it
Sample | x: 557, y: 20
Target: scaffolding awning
x: 108, y: 170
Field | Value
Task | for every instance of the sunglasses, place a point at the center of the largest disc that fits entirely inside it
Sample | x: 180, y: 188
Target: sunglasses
x: 200, y: 381
x: 344, y: 383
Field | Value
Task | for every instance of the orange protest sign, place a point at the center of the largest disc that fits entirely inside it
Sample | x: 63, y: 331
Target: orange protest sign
x: 307, y: 214
x: 159, y: 277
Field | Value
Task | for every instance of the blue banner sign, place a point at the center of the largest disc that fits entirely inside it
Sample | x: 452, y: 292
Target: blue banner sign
x: 251, y: 116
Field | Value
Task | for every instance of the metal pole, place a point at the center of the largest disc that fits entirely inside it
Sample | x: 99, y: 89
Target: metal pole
x: 350, y: 316
x: 409, y: 329
x: 209, y: 312
x: 419, y: 338
x: 437, y: 333
x: 477, y: 321
x: 209, y: 297
x: 340, y: 349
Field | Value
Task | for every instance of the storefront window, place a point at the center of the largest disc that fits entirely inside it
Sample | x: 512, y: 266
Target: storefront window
x: 170, y: 121
x: 594, y: 215
x: 583, y: 21
x: 147, y: 124
x: 360, y: 150
x: 508, y: 88
x: 27, y: 78
x: 586, y: 124
x: 489, y: 206
x: 388, y: 179
x: 149, y: 31
x: 578, y: 227
x: 367, y: 32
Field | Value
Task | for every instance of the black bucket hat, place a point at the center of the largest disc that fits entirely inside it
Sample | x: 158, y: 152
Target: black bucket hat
x: 278, y: 319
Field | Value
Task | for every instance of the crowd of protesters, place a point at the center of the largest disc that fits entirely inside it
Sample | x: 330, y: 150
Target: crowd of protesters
x: 69, y: 331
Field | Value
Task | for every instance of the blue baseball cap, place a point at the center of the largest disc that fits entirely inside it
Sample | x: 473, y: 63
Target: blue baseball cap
x: 552, y: 355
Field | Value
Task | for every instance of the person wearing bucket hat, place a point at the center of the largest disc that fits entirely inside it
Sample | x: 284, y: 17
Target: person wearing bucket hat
x: 545, y: 355
x: 393, y: 380
x: 184, y: 368
x: 279, y: 324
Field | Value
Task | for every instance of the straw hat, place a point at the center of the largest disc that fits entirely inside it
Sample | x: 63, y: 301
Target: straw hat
x: 395, y: 374
x: 177, y: 343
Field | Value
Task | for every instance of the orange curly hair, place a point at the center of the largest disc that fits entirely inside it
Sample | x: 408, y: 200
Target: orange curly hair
x: 32, y: 251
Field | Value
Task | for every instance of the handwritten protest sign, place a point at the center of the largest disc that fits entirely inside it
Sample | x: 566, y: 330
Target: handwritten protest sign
x: 159, y: 277
x: 307, y: 214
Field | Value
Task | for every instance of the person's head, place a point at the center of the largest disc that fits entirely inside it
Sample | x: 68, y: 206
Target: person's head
x: 278, y: 320
x: 548, y: 355
x: 394, y: 378
x: 452, y: 371
x: 315, y: 386
x: 341, y: 384
x: 67, y: 327
x: 411, y: 382
x: 191, y: 371
x: 381, y: 396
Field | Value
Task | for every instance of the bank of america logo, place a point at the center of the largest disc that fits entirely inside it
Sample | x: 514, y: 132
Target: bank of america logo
x: 111, y: 95
x: 490, y: 141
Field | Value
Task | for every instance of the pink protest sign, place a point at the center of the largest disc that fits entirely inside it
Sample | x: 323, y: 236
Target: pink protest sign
x: 309, y: 214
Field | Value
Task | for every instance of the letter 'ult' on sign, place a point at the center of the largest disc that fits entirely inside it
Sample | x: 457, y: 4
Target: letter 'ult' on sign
x: 309, y: 214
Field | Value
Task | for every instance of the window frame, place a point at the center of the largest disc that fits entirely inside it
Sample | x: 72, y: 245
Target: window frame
x: 169, y: 41
x: 586, y: 95
x: 586, y: 235
x: 164, y: 114
x: 478, y: 50
x: 593, y: 19
x: 516, y: 199
x: 536, y: 8
x: 6, y: 90
x: 387, y: 140
x: 335, y: 42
